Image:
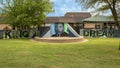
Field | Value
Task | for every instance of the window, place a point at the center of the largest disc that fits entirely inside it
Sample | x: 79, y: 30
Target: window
x: 105, y: 26
x: 97, y: 26
x: 111, y: 26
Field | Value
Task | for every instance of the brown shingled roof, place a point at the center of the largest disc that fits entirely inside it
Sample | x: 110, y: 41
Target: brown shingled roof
x: 51, y: 19
x: 71, y: 17
x: 81, y: 15
x: 59, y: 19
x: 66, y: 19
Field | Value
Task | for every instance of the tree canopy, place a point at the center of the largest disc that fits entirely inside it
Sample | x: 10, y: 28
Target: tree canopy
x: 24, y: 14
x: 106, y: 6
x: 100, y: 5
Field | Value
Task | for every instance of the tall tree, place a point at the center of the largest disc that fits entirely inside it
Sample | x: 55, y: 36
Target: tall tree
x: 25, y: 14
x: 104, y: 5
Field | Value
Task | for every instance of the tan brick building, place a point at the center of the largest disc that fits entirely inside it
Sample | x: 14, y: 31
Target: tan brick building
x: 77, y: 20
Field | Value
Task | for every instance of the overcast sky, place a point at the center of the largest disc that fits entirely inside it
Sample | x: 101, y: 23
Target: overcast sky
x: 63, y: 6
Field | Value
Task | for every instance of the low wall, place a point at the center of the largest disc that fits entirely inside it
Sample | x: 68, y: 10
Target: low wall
x: 6, y: 34
x: 98, y: 33
x: 9, y: 34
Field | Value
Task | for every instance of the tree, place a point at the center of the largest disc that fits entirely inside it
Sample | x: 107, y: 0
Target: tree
x: 104, y: 6
x: 24, y: 14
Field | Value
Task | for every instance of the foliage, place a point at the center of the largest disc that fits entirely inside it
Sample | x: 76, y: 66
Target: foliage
x: 25, y: 13
x: 100, y: 5
x: 104, y: 6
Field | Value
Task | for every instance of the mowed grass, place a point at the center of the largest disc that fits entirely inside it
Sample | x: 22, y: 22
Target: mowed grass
x: 96, y: 53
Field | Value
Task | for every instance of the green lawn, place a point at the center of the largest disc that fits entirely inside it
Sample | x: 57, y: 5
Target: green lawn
x: 96, y: 53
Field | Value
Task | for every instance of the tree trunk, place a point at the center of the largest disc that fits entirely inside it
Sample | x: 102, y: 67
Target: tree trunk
x: 118, y: 25
x: 114, y: 13
x: 119, y: 30
x: 119, y: 45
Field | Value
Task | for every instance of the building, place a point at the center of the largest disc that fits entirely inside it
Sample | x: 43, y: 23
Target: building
x: 81, y: 21
x: 73, y: 24
x: 99, y: 22
x: 74, y: 19
x: 3, y: 25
